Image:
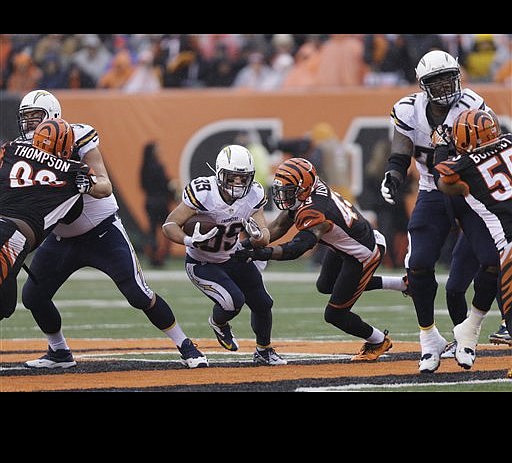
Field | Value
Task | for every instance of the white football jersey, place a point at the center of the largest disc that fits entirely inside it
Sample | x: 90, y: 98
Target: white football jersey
x: 409, y: 117
x: 203, y: 194
x: 94, y: 210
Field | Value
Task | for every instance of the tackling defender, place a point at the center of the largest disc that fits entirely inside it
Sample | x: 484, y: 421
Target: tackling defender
x: 355, y: 250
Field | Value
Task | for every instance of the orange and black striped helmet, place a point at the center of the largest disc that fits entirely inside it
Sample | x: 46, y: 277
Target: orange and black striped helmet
x: 475, y: 128
x: 293, y: 182
x: 54, y: 136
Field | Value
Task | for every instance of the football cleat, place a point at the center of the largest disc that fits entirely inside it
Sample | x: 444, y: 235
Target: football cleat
x: 268, y: 356
x: 502, y: 336
x: 431, y: 350
x: 60, y: 358
x: 370, y: 352
x: 449, y: 351
x: 224, y: 335
x: 466, y: 336
x: 190, y: 355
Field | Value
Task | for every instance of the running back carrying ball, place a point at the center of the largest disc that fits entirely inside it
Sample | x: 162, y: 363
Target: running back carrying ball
x: 206, y: 225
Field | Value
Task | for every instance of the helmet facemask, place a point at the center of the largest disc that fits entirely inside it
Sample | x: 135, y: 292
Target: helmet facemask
x: 235, y: 184
x: 29, y: 119
x: 443, y: 88
x: 285, y: 196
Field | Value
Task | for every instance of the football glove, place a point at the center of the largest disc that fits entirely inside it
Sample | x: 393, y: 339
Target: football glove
x: 252, y: 228
x: 198, y: 238
x: 442, y: 135
x: 389, y: 188
x: 248, y: 255
x: 85, y: 179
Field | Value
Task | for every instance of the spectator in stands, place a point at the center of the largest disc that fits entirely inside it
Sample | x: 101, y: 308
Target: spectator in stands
x: 302, y: 73
x: 336, y: 53
x: 5, y: 55
x: 146, y: 76
x: 257, y: 74
x: 502, y: 64
x: 119, y: 73
x: 76, y: 78
x: 53, y: 74
x: 282, y: 60
x: 25, y: 75
x: 478, y: 63
x: 187, y: 68
x: 385, y: 55
x: 93, y: 58
x: 222, y: 69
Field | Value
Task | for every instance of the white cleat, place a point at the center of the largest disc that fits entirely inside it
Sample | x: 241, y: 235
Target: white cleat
x: 431, y: 351
x: 466, y: 335
x: 449, y: 352
x: 465, y: 357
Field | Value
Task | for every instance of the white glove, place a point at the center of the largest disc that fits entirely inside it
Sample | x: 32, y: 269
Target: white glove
x: 252, y: 228
x: 198, y: 238
x: 389, y: 188
x: 84, y: 183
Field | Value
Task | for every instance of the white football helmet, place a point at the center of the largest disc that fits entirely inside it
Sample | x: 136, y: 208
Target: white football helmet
x: 438, y: 75
x: 234, y: 169
x: 35, y: 107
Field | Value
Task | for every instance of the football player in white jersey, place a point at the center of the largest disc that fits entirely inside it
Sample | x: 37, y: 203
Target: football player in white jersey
x: 234, y: 201
x: 97, y: 239
x: 419, y: 119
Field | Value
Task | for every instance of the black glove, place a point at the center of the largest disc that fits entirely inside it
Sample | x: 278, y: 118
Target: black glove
x: 248, y: 255
x: 389, y: 188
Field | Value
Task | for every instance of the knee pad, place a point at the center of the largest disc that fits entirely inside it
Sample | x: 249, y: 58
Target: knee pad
x: 337, y: 317
x: 422, y: 272
x: 31, y: 296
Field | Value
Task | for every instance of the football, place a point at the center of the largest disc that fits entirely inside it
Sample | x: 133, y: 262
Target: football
x: 206, y: 225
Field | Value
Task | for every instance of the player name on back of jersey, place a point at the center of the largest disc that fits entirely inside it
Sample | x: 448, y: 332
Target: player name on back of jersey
x: 483, y: 155
x: 29, y: 152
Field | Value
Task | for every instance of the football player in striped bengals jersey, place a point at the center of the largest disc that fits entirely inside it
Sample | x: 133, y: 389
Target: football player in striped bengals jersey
x: 481, y: 170
x: 97, y: 239
x: 38, y: 187
x: 355, y: 249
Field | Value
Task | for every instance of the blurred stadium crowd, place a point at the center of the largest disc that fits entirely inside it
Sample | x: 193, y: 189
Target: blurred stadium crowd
x: 150, y: 62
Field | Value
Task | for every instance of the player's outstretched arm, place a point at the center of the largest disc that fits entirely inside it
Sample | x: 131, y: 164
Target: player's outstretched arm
x: 103, y: 187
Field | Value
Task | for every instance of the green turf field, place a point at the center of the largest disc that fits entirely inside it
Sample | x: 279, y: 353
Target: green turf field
x: 92, y: 307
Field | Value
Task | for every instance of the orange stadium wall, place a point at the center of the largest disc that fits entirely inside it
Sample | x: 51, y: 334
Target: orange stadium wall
x: 192, y: 125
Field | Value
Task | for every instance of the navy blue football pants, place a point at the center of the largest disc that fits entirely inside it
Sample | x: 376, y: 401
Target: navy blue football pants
x: 432, y: 219
x: 106, y: 248
x: 230, y: 285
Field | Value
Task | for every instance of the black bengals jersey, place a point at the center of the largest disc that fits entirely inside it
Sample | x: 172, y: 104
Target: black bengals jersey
x: 37, y: 187
x: 487, y: 176
x: 350, y: 232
